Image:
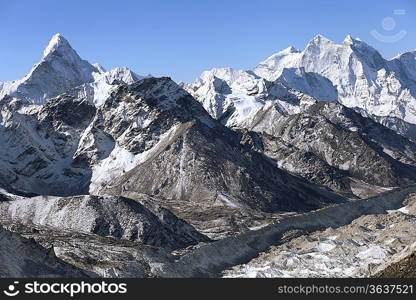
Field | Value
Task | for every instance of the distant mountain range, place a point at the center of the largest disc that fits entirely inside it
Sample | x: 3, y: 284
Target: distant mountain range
x: 352, y: 73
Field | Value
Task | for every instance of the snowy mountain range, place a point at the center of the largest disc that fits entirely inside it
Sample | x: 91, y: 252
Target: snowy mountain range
x: 352, y: 73
x: 157, y: 178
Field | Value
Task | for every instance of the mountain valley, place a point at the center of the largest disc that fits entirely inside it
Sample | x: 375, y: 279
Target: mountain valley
x: 304, y: 166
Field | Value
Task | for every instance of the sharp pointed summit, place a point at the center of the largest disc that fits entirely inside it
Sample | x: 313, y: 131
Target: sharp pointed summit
x: 348, y: 39
x: 320, y: 39
x: 59, y: 70
x: 57, y: 42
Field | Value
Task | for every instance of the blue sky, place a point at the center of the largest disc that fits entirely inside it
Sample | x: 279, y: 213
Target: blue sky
x: 180, y: 39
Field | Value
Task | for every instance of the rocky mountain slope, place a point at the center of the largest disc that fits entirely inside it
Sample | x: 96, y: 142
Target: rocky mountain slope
x: 191, y: 156
x: 39, y: 143
x: 21, y: 257
x: 332, y: 145
x: 404, y: 268
x: 93, y: 214
x: 115, y: 257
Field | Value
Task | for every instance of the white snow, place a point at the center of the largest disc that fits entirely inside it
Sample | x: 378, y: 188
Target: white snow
x: 118, y: 162
x: 372, y: 252
x: 324, y: 247
x: 240, y: 94
x: 352, y: 73
x: 99, y: 90
x: 244, y: 105
x: 404, y: 210
x: 56, y: 41
x: 357, y: 71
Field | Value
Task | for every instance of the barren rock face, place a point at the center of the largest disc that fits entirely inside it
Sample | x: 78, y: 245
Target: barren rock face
x: 405, y: 268
x: 334, y: 146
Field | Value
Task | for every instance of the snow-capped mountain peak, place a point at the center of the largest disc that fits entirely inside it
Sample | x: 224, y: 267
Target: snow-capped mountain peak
x: 99, y: 67
x: 352, y: 73
x: 319, y: 39
x: 60, y: 70
x: 123, y: 74
x: 348, y: 39
x: 99, y: 90
x: 57, y: 44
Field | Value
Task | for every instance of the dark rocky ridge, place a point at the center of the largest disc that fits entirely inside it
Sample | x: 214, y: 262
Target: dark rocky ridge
x: 332, y: 145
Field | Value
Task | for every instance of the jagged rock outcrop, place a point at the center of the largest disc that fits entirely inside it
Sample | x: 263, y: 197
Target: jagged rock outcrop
x: 403, y: 128
x: 405, y: 268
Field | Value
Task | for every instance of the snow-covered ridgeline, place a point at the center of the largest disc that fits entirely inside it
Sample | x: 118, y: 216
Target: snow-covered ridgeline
x: 352, y: 73
x: 362, y: 77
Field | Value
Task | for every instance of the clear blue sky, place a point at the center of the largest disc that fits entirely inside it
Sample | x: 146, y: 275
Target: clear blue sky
x: 182, y: 38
